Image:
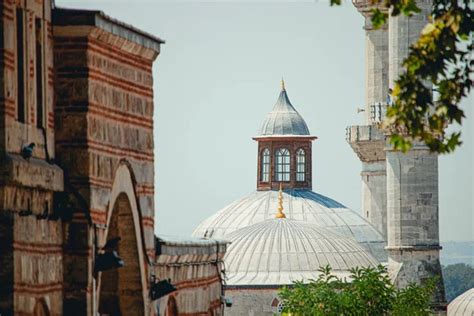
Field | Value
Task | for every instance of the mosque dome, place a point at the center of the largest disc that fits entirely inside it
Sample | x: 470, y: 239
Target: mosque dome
x: 284, y: 120
x: 280, y: 251
x: 462, y: 305
x: 300, y: 204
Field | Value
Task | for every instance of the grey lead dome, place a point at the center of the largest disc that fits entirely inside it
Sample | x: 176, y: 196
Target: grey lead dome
x: 284, y: 120
x: 301, y: 205
x: 463, y: 305
x: 280, y: 251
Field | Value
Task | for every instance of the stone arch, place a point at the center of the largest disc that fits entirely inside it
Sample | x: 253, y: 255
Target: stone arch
x: 123, y: 291
x: 41, y: 308
x: 172, y: 307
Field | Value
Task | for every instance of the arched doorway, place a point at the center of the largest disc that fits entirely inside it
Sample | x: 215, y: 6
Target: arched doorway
x: 172, y: 307
x: 121, y: 290
x: 41, y: 308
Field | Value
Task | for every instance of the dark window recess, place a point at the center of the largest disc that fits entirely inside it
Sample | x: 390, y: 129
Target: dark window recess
x: 20, y: 63
x: 39, y: 73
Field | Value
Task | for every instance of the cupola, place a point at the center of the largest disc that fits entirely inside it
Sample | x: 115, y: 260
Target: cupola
x: 284, y: 148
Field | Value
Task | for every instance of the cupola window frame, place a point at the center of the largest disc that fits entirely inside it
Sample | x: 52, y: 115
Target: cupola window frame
x: 265, y: 165
x: 300, y: 165
x: 282, y: 165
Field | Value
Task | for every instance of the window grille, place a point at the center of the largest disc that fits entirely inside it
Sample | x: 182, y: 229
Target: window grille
x: 282, y: 165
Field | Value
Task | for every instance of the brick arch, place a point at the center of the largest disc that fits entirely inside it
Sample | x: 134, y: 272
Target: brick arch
x: 123, y: 291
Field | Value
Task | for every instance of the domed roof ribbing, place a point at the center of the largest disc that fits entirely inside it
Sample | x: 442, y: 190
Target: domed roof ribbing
x: 462, y: 305
x: 303, y: 205
x: 280, y: 251
x: 284, y: 120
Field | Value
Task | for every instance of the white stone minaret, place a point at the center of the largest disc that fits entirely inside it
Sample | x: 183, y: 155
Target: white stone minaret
x: 412, y: 182
x: 367, y: 140
x: 399, y: 191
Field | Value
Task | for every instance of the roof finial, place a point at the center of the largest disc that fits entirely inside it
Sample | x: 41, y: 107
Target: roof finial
x: 280, y: 213
x: 283, y: 85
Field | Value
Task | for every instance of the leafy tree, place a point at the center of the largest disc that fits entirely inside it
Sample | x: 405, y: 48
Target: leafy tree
x: 369, y: 292
x: 458, y: 278
x: 442, y: 56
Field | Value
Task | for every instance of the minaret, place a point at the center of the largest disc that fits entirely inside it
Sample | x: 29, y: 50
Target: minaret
x: 400, y: 190
x: 367, y: 141
x: 412, y: 182
x: 284, y: 148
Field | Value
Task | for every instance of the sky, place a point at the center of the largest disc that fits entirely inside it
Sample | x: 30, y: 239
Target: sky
x: 217, y: 77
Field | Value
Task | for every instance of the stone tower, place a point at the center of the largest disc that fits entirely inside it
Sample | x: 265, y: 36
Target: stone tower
x: 400, y: 191
x: 367, y: 140
x: 76, y: 173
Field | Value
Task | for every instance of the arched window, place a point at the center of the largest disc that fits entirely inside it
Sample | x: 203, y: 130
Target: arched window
x: 282, y: 165
x: 265, y: 171
x: 300, y: 165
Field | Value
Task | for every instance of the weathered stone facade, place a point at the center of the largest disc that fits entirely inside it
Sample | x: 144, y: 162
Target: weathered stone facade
x: 31, y: 249
x: 89, y: 179
x: 400, y: 190
x: 195, y: 267
x: 252, y: 301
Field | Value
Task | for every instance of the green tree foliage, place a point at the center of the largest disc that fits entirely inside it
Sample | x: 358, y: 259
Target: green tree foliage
x: 458, y: 278
x: 369, y: 292
x: 444, y: 57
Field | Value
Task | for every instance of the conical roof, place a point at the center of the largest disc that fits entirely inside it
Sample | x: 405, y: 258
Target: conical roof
x: 284, y: 120
x: 279, y: 251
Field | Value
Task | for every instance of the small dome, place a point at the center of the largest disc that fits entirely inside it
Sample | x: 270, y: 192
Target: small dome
x: 284, y: 119
x: 462, y: 305
x: 280, y: 251
x: 302, y: 205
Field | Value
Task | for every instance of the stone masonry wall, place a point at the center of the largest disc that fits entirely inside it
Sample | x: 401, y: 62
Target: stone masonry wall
x: 252, y: 302
x: 31, y: 255
x: 194, y: 272
x: 104, y: 116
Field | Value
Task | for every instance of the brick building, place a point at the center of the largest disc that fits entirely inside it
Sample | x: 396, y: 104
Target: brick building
x: 77, y: 173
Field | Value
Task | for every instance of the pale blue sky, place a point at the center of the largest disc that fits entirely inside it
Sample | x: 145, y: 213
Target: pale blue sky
x: 217, y: 77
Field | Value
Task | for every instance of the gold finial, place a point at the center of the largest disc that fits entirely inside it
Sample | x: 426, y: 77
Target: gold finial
x: 282, y: 84
x: 280, y: 213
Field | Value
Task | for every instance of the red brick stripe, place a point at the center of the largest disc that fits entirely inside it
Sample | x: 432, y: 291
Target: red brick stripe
x: 98, y: 216
x: 68, y: 43
x: 98, y: 147
x: 37, y: 248
x: 119, y: 118
x: 190, y: 284
x: 7, y: 10
x: 106, y: 111
x: 27, y: 288
x: 148, y: 221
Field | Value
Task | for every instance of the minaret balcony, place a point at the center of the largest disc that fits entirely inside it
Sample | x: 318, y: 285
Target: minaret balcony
x: 365, y: 6
x: 367, y: 141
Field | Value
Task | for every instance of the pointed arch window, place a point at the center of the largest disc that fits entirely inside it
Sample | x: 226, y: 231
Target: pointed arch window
x: 300, y: 165
x: 265, y: 168
x: 282, y: 165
